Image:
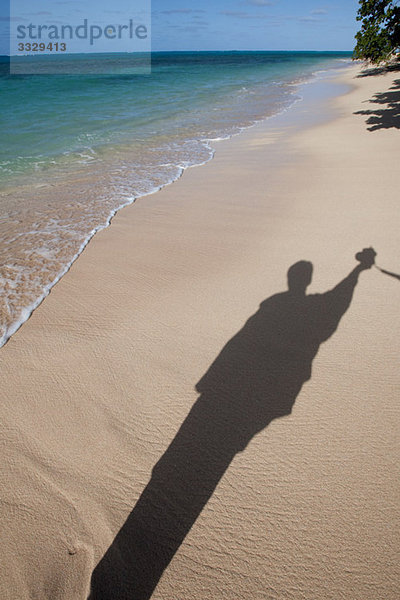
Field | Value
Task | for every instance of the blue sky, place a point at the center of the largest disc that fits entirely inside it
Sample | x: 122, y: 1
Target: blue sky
x: 211, y: 24
x: 254, y: 24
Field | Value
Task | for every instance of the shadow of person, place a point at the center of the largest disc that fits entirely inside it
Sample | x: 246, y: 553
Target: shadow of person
x: 255, y: 379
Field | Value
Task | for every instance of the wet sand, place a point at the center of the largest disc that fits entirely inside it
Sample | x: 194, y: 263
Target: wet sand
x: 278, y: 476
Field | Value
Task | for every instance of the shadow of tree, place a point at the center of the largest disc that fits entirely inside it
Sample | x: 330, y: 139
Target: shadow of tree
x: 374, y: 71
x: 255, y: 379
x: 387, y: 117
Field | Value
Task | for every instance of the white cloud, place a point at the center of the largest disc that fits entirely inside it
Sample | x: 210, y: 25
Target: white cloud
x: 241, y: 15
x: 181, y: 11
x: 234, y: 13
x: 309, y: 19
x: 260, y: 2
x: 41, y: 13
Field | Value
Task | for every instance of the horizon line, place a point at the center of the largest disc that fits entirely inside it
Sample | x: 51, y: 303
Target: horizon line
x: 167, y: 51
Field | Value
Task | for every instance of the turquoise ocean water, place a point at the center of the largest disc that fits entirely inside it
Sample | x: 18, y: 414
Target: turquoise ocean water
x: 74, y: 149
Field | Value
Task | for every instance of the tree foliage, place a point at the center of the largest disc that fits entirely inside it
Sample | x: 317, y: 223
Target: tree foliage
x: 379, y: 36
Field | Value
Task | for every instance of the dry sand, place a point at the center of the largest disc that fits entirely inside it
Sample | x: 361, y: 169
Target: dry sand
x: 99, y: 380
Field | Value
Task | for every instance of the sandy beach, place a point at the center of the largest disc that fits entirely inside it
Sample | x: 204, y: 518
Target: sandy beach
x: 118, y: 478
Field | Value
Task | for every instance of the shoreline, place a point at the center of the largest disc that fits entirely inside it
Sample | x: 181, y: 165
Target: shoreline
x: 103, y: 374
x: 26, y: 312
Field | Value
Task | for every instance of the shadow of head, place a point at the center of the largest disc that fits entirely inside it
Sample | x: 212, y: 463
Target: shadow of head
x: 299, y: 277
